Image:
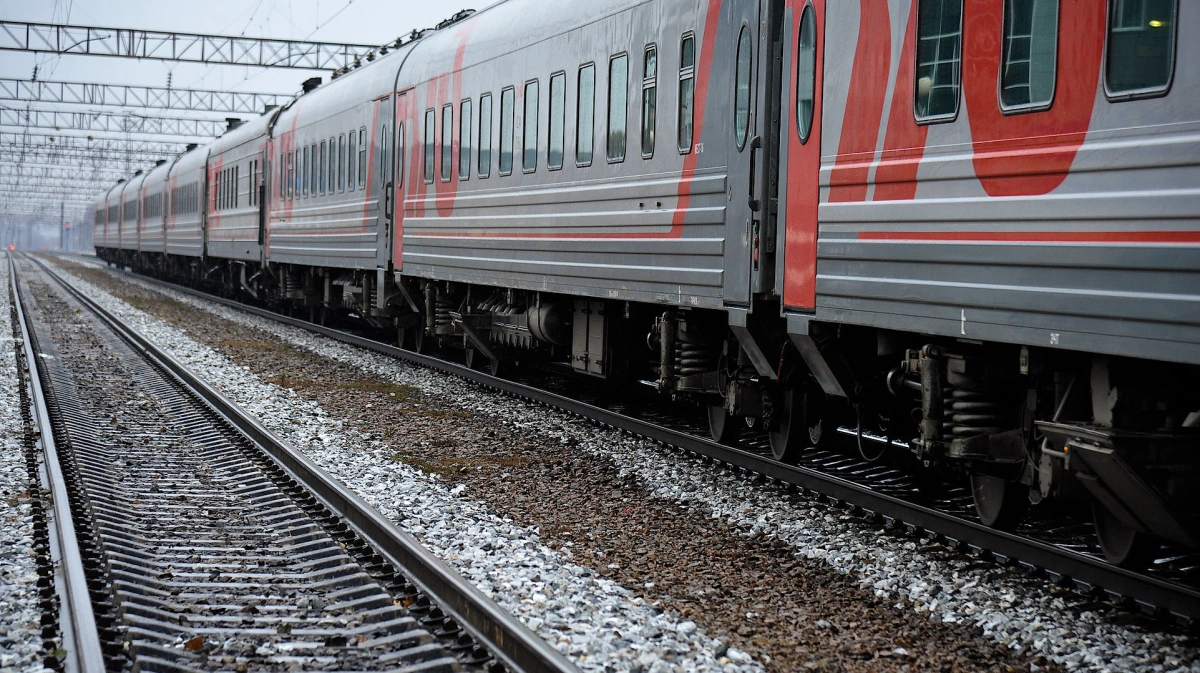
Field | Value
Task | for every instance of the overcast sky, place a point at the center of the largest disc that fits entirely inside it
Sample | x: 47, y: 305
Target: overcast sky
x: 353, y: 21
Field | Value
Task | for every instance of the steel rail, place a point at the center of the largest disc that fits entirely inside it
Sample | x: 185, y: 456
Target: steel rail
x: 77, y: 622
x: 1090, y: 574
x: 507, y: 639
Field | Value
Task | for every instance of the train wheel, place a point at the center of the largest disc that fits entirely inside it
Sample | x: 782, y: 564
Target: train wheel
x: 792, y: 433
x: 722, y: 425
x: 1122, y: 546
x: 1000, y: 503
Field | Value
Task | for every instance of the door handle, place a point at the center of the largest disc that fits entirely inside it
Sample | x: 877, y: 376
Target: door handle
x: 755, y: 145
x: 387, y: 199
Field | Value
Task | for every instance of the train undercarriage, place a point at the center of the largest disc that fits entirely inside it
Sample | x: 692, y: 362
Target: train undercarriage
x: 1029, y: 427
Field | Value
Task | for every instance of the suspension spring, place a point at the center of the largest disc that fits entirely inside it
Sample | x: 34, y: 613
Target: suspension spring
x: 693, y: 356
x: 970, y: 413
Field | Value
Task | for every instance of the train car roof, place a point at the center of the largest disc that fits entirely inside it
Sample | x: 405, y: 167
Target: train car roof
x: 249, y: 131
x: 193, y: 160
x: 159, y: 173
x: 354, y: 88
x: 505, y: 27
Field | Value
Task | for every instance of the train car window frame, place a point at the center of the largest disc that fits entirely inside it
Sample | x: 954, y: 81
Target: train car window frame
x: 296, y: 175
x: 924, y: 87
x: 235, y: 186
x: 1115, y: 29
x: 466, y: 117
x: 484, y: 156
x: 508, y: 111
x: 314, y: 173
x: 323, y: 167
x: 362, y: 157
x: 743, y: 83
x: 618, y: 108
x: 1035, y: 54
x: 806, y: 73
x: 649, y: 99
x: 332, y: 165
x: 341, y: 154
x: 685, y: 117
x: 446, y: 156
x: 556, y: 131
x: 429, y: 152
x: 585, y: 115
x: 351, y: 160
x: 529, y: 127
x: 307, y: 172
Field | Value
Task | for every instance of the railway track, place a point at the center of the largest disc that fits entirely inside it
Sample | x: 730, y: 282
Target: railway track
x: 1051, y: 545
x: 188, y: 538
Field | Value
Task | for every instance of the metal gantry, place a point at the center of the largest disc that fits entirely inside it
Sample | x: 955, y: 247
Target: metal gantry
x: 148, y: 97
x: 184, y: 47
x: 55, y: 143
x: 58, y: 172
x: 107, y: 122
x: 86, y: 158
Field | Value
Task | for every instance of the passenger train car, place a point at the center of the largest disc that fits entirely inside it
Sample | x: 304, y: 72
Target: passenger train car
x: 968, y: 227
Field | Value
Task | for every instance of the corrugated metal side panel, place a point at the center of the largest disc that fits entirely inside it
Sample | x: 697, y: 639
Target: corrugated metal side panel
x: 1039, y: 270
x: 328, y: 233
x: 609, y: 238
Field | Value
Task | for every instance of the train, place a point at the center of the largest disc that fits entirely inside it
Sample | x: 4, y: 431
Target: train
x: 966, y: 228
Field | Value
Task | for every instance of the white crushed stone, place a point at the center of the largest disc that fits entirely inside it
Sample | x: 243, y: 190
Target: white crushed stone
x: 1018, y: 612
x: 20, y: 616
x: 597, y: 623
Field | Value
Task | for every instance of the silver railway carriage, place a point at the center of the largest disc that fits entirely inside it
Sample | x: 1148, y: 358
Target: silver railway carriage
x: 965, y: 226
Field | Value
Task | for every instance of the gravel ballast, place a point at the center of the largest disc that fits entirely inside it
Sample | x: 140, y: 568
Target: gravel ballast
x: 20, y: 615
x: 925, y: 598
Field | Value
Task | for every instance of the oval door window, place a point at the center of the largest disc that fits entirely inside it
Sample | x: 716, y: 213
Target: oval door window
x: 806, y: 73
x: 741, y: 98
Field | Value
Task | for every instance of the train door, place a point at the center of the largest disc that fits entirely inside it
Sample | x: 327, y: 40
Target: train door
x: 800, y: 151
x: 263, y: 179
x: 383, y: 185
x: 747, y: 53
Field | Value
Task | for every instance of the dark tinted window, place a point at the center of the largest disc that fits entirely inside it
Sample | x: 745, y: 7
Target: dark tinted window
x: 530, y: 137
x: 585, y: 116
x: 558, y: 120
x: 741, y: 93
x: 507, y: 118
x: 485, y: 135
x: 1141, y: 45
x: 806, y: 73
x: 649, y: 99
x: 939, y: 58
x: 687, y: 92
x: 430, y: 136
x: 1030, y: 48
x: 447, y: 141
x: 464, y: 139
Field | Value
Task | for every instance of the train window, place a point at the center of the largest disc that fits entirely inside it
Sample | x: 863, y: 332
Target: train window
x: 485, y: 135
x: 399, y: 154
x: 362, y: 156
x: 235, y: 186
x: 649, y: 99
x: 618, y: 106
x: 585, y: 115
x: 529, y: 138
x: 1030, y: 47
x: 323, y: 166
x: 464, y: 139
x: 293, y: 176
x: 332, y: 165
x: 447, y: 156
x: 806, y: 73
x: 351, y: 156
x: 1141, y: 47
x: 687, y: 91
x: 341, y: 156
x: 314, y: 173
x: 306, y: 171
x: 282, y: 176
x: 507, y: 112
x: 558, y: 121
x: 939, y: 59
x: 430, y: 122
x: 741, y: 92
